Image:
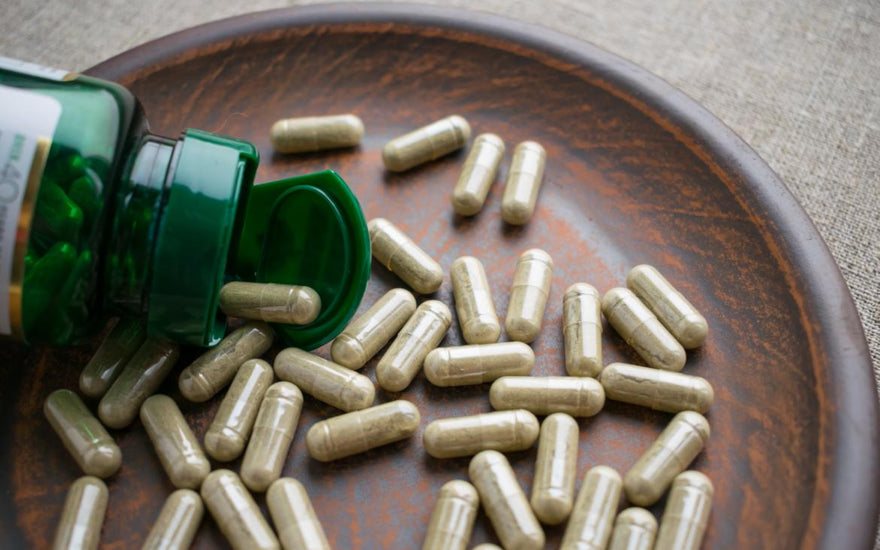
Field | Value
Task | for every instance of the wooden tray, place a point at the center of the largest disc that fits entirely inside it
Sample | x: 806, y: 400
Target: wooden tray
x: 636, y: 173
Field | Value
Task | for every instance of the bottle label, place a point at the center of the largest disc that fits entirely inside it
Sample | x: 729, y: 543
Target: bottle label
x: 27, y: 125
x: 32, y: 69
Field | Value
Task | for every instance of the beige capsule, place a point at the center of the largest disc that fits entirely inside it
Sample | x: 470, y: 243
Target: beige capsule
x: 658, y: 389
x: 177, y: 447
x: 214, y: 369
x: 668, y: 456
x: 642, y: 330
x: 324, y: 380
x: 478, y: 174
x: 473, y: 302
x: 112, y: 355
x: 452, y: 519
x: 426, y: 144
x: 400, y: 255
x: 686, y: 514
x: 294, y: 517
x: 359, y: 431
x: 528, y: 295
x: 176, y: 526
x: 272, y: 435
x: 504, y: 502
x: 288, y: 304
x: 555, y: 469
x: 235, y: 512
x: 523, y: 183
x: 592, y: 518
x: 676, y: 313
x: 634, y: 529
x: 82, y: 516
x: 226, y: 437
x: 477, y: 364
x: 505, y: 431
x: 367, y: 334
x: 544, y: 395
x: 487, y: 546
x: 316, y: 133
x: 422, y: 333
x: 82, y: 435
x: 141, y: 377
x: 582, y: 330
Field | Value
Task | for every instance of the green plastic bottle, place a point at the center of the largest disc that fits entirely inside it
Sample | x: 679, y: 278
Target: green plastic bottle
x: 99, y: 217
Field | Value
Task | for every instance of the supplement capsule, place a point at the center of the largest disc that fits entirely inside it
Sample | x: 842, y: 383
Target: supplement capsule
x: 235, y: 512
x: 316, y: 133
x: 669, y: 305
x: 83, y: 436
x: 401, y: 256
x: 478, y: 174
x: 139, y: 379
x: 473, y: 302
x: 426, y: 144
x: 504, y: 431
x: 210, y: 373
x: 658, y: 389
x: 528, y: 295
x: 634, y: 529
x: 294, y: 517
x: 582, y: 330
x: 555, y: 469
x: 359, y: 431
x: 272, y: 436
x: 325, y: 381
x: 176, y: 446
x: 292, y: 305
x: 592, y: 518
x: 177, y: 523
x: 487, y: 546
x: 642, y: 330
x: 469, y: 365
x: 505, y: 503
x: 453, y: 517
x: 114, y: 352
x: 523, y: 183
x: 686, y: 514
x: 83, y: 515
x: 367, y: 334
x: 422, y: 333
x: 668, y: 456
x: 231, y: 428
x: 544, y: 395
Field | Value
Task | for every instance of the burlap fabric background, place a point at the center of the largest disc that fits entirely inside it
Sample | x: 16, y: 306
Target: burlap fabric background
x: 798, y: 80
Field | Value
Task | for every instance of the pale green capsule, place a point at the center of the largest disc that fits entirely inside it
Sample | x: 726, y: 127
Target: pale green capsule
x: 473, y: 302
x: 235, y: 512
x: 669, y: 305
x: 478, y: 174
x: 421, y: 334
x: 528, y: 295
x: 141, y: 377
x: 288, y: 304
x: 634, y: 529
x: 176, y: 446
x: 668, y: 456
x: 272, y: 435
x: 658, y: 389
x: 555, y: 469
x: 316, y: 133
x: 505, y: 431
x: 83, y: 515
x: 324, y: 380
x: 477, y: 364
x: 542, y: 395
x: 687, y: 513
x: 505, y: 503
x: 426, y: 144
x: 215, y: 368
x: 523, y: 183
x: 114, y: 352
x: 400, y: 255
x: 359, y: 431
x: 83, y: 436
x: 294, y: 517
x: 176, y: 526
x: 452, y: 519
x: 582, y: 330
x: 592, y: 518
x: 369, y: 333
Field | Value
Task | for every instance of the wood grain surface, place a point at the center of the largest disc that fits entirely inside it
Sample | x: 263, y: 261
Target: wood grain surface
x: 636, y: 173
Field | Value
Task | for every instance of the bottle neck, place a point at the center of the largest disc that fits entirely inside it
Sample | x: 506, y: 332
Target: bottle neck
x: 143, y: 193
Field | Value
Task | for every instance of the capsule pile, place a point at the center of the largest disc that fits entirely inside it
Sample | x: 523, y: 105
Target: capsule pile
x: 258, y: 416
